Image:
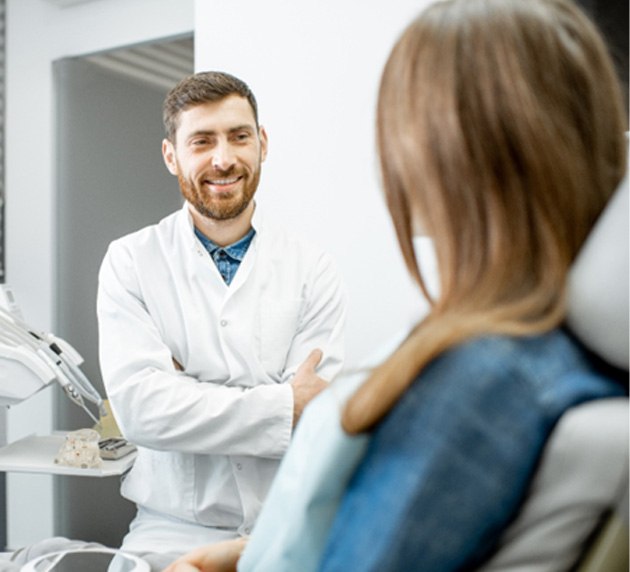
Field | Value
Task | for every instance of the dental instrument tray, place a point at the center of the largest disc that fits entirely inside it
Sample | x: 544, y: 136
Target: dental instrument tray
x: 115, y: 448
x: 36, y: 454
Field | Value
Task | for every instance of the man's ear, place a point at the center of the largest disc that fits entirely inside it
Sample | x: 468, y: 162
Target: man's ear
x: 168, y: 154
x: 264, y: 142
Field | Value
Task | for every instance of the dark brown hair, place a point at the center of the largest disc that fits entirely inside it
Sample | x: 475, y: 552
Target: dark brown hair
x: 201, y: 88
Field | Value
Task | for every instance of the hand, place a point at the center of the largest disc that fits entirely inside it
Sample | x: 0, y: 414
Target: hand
x: 306, y: 384
x: 219, y: 557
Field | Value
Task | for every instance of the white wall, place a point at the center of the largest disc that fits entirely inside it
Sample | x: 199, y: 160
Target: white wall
x: 314, y: 66
x: 37, y: 34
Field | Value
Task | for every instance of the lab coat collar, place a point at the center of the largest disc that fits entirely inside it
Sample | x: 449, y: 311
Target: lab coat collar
x: 186, y: 221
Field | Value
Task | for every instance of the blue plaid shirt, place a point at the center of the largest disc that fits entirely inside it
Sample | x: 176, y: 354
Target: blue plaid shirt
x: 227, y: 258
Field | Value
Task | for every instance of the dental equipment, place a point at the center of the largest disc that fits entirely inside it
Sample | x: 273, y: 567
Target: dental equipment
x: 30, y: 360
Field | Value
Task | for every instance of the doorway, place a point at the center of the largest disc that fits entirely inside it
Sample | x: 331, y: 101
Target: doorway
x: 110, y: 181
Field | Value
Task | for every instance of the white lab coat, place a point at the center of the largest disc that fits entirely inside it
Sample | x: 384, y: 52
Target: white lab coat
x: 210, y: 438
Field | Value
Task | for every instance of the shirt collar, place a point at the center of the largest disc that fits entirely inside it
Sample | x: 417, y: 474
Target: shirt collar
x: 236, y: 250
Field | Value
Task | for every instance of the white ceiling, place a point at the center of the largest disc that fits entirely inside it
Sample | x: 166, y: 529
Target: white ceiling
x: 160, y: 64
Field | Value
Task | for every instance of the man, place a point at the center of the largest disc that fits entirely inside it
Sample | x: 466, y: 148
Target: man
x: 215, y: 329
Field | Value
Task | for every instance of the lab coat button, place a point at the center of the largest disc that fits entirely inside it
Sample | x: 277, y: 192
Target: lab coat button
x: 239, y: 466
x: 224, y: 323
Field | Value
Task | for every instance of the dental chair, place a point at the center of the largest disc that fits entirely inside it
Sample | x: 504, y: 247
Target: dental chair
x: 576, y: 514
x: 600, y: 291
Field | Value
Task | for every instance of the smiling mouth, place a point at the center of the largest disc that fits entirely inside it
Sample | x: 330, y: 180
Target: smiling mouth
x: 222, y: 182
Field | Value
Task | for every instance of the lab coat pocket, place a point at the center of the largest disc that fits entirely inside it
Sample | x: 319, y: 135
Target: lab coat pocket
x: 278, y: 325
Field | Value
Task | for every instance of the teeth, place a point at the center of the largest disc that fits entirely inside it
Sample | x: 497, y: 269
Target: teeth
x: 224, y: 181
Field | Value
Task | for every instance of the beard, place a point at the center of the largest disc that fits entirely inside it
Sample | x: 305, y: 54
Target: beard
x: 225, y: 206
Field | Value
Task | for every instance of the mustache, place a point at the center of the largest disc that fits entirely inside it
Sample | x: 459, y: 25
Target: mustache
x: 220, y: 173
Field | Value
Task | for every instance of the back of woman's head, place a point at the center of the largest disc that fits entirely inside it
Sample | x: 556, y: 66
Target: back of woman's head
x: 500, y: 126
x: 501, y: 131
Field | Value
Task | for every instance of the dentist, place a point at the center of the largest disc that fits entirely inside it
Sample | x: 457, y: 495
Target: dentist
x: 215, y: 330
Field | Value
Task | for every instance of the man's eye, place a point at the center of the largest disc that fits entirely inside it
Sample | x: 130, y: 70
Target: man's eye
x: 199, y: 142
x: 241, y: 136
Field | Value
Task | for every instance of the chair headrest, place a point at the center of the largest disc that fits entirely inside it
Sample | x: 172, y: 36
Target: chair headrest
x: 598, y: 284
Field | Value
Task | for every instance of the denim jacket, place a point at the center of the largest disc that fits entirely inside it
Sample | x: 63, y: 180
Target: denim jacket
x: 447, y: 470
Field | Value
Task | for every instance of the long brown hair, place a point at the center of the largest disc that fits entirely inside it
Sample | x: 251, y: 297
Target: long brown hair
x: 501, y: 128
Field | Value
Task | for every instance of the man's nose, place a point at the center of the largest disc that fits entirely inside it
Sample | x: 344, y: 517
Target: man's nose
x: 223, y: 158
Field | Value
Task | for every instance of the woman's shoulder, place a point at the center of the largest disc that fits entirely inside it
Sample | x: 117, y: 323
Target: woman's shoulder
x: 540, y: 357
x: 550, y: 371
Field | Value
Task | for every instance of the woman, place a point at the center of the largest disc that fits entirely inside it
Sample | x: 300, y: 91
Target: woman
x: 501, y: 136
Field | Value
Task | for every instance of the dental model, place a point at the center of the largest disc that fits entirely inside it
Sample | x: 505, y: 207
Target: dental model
x: 80, y: 449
